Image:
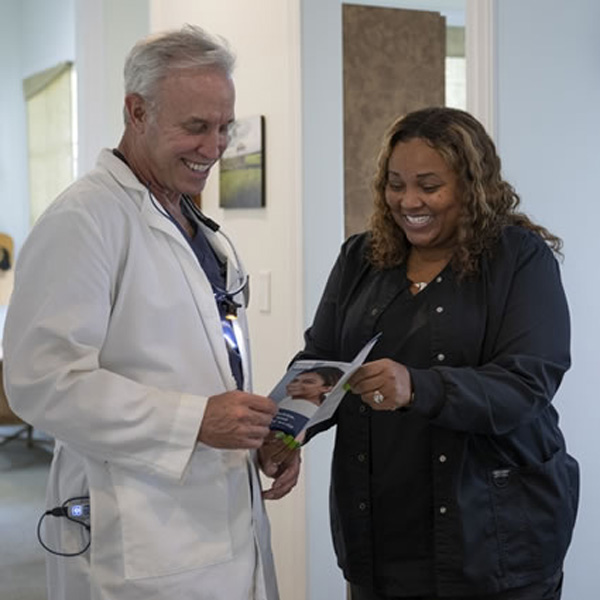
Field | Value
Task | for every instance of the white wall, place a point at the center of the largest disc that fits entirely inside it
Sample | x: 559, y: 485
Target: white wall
x: 105, y: 31
x: 548, y: 124
x: 265, y: 37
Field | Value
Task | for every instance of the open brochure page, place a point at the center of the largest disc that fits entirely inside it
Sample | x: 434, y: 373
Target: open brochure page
x: 311, y: 390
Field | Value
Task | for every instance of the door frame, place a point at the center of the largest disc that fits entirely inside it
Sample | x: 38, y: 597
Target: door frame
x: 480, y: 51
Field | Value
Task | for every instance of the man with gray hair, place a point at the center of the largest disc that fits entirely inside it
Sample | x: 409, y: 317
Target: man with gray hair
x: 126, y: 341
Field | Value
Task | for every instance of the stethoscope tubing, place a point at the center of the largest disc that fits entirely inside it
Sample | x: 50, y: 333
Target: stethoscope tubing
x: 201, y: 219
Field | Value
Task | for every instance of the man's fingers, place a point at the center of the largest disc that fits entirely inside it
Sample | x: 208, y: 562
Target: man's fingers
x: 282, y: 455
x: 269, y: 467
x: 236, y: 420
x: 286, y: 480
x: 273, y: 453
x: 261, y: 404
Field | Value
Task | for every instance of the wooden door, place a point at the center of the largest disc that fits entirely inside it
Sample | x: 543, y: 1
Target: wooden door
x: 394, y: 62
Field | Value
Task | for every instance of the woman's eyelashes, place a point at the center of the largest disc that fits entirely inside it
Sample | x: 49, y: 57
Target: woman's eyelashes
x: 427, y: 188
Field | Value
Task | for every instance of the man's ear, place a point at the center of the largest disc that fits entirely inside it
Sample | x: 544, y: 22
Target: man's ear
x: 137, y: 111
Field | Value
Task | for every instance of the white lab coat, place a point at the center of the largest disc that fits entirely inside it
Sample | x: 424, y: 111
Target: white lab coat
x: 113, y: 344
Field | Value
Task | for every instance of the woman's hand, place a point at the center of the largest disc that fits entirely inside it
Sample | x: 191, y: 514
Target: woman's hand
x: 382, y: 384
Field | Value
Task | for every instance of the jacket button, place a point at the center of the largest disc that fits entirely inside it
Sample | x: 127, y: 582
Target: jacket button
x: 362, y: 409
x: 362, y: 457
x: 362, y: 506
x: 439, y: 309
x: 441, y: 357
x: 442, y: 458
x: 443, y: 510
x: 439, y: 279
x: 374, y: 311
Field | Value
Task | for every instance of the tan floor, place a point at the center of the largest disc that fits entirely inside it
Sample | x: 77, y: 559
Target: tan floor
x: 23, y: 474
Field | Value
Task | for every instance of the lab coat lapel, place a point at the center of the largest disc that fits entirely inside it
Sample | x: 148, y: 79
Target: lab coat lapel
x: 235, y: 274
x: 198, y: 283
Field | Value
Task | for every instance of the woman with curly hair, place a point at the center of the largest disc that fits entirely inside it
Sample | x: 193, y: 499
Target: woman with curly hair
x: 450, y: 474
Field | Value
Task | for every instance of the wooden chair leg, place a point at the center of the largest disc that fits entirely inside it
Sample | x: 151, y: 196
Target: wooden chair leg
x: 29, y: 436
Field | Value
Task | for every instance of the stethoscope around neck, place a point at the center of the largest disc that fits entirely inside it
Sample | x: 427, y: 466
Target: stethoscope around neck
x: 222, y: 296
x: 225, y: 297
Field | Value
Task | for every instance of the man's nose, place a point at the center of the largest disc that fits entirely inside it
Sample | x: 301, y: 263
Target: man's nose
x: 213, y: 145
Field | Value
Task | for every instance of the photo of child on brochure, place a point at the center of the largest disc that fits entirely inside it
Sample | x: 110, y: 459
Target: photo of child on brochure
x: 310, y: 392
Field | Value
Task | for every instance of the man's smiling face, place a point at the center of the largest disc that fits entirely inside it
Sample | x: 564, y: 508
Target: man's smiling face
x: 188, y: 130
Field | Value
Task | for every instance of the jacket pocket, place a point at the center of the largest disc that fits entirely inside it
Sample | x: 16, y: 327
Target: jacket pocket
x: 535, y: 509
x: 170, y: 526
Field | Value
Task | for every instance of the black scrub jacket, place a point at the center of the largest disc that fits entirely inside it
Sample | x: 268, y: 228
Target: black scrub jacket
x: 471, y: 489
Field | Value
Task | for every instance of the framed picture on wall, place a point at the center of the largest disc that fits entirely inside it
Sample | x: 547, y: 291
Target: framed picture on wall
x: 242, y: 166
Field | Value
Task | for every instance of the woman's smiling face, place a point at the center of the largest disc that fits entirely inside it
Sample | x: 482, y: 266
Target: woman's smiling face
x: 423, y: 195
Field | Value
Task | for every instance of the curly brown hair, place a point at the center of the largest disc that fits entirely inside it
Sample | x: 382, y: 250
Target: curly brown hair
x: 488, y: 202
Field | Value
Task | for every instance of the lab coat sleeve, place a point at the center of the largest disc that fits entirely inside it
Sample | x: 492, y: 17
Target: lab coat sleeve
x: 526, y: 351
x: 67, y: 279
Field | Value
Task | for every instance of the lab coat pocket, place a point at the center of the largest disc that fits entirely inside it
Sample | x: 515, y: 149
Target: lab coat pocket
x: 67, y: 480
x: 170, y: 526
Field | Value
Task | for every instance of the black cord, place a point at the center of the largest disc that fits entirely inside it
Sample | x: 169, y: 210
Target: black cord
x: 63, y: 511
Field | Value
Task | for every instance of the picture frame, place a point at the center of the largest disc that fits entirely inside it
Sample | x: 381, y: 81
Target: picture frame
x: 242, y: 166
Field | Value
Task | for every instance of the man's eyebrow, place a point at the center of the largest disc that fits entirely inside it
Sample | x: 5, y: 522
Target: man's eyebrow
x: 194, y: 120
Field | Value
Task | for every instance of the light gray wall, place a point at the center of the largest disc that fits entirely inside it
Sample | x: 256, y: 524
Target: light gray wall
x: 13, y: 151
x: 34, y: 35
x: 548, y: 127
x: 48, y: 33
x: 323, y: 218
